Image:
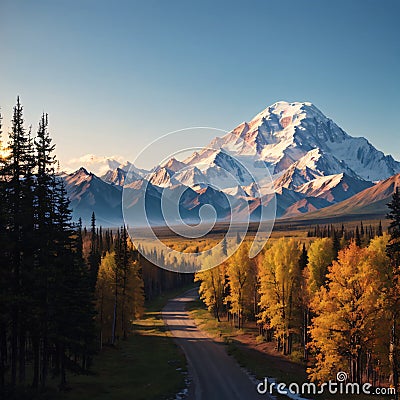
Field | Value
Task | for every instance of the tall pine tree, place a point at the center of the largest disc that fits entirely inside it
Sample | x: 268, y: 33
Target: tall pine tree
x: 94, y: 258
x: 19, y: 196
x: 393, y: 252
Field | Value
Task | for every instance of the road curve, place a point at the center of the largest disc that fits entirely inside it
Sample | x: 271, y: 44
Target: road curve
x: 215, y: 375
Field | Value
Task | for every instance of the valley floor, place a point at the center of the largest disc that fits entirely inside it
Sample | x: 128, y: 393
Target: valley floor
x: 146, y: 366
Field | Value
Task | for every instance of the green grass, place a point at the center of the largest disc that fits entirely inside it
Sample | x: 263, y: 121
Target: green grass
x: 143, y: 367
x: 219, y: 330
x: 148, y: 365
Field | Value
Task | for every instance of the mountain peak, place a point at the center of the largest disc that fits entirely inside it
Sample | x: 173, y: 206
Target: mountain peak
x: 173, y: 165
x: 313, y: 163
x: 82, y: 171
x: 282, y: 114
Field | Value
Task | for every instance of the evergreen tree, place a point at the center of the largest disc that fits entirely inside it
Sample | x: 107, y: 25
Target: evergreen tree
x: 380, y: 230
x: 44, y: 240
x: 94, y: 255
x: 303, y: 260
x: 358, y: 237
x: 45, y: 298
x: 4, y: 271
x: 393, y: 252
x: 19, y: 196
x: 116, y: 285
x: 336, y: 244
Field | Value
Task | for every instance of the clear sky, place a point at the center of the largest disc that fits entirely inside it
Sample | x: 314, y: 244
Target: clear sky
x: 114, y: 75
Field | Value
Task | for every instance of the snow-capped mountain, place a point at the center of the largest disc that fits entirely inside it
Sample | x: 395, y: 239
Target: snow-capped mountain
x: 162, y: 177
x: 285, y: 133
x: 118, y: 176
x: 313, y: 164
x: 333, y: 188
x: 173, y: 165
x: 89, y: 194
x: 369, y: 203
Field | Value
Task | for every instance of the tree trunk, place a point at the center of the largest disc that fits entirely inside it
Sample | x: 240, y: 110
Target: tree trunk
x: 63, y: 378
x: 22, y: 355
x: 3, y: 353
x: 305, y: 333
x: 394, y: 373
x: 14, y: 347
x: 114, y: 326
x: 44, y: 361
x: 36, y: 362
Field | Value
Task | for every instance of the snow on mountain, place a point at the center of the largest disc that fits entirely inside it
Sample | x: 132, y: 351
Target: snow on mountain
x: 118, y: 176
x: 162, y: 177
x: 89, y: 194
x: 142, y: 194
x: 99, y: 165
x: 237, y: 192
x: 131, y: 168
x: 313, y: 162
x: 220, y: 168
x: 369, y: 202
x: 173, y: 165
x: 333, y: 188
x: 294, y: 177
x: 297, y: 142
x: 191, y: 176
x: 284, y: 133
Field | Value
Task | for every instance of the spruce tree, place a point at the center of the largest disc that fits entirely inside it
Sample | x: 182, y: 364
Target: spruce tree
x: 94, y: 255
x: 336, y: 243
x: 380, y: 230
x: 46, y: 299
x: 393, y: 252
x: 4, y: 273
x: 303, y: 261
x: 358, y: 237
x: 45, y: 187
x: 20, y: 223
x: 116, y: 285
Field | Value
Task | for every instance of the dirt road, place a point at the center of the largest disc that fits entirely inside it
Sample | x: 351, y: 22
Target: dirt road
x: 215, y: 374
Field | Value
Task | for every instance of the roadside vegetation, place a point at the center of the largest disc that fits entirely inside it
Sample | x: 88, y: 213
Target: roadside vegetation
x: 68, y: 293
x: 148, y: 365
x: 325, y: 303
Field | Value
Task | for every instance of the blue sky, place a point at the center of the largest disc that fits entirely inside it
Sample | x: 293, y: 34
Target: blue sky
x: 115, y: 75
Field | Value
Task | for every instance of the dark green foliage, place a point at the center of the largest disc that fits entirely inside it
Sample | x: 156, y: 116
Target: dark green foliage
x: 94, y: 258
x: 394, y: 227
x: 336, y: 243
x: 358, y: 237
x: 393, y: 252
x: 46, y: 300
x: 303, y: 261
x: 380, y: 230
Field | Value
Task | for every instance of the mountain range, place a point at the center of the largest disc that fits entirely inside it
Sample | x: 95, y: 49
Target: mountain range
x: 315, y: 169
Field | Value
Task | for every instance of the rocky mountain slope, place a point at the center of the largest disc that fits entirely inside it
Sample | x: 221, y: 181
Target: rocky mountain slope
x: 313, y: 164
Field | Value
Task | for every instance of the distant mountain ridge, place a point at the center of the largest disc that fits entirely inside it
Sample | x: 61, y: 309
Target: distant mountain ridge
x: 314, y: 165
x: 370, y: 202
